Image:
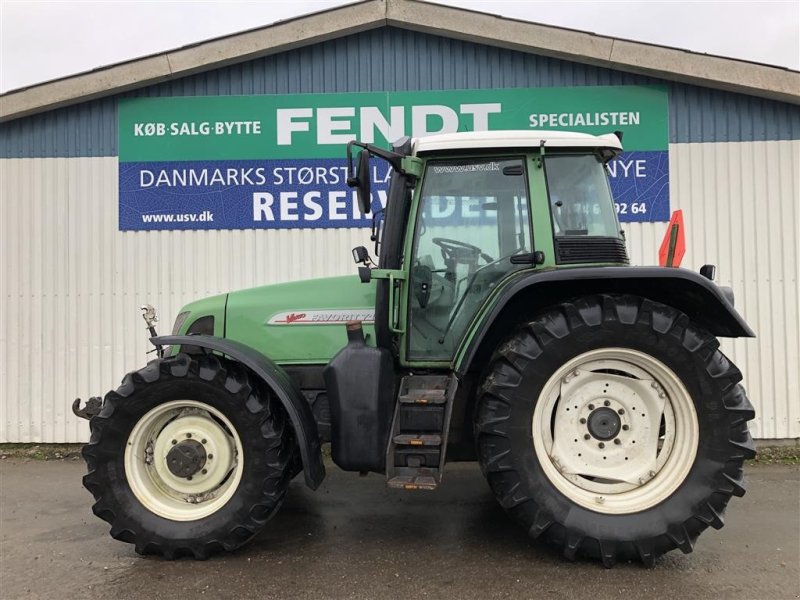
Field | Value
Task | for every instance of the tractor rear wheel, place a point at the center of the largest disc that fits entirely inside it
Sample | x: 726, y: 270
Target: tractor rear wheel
x: 613, y: 428
x: 189, y: 456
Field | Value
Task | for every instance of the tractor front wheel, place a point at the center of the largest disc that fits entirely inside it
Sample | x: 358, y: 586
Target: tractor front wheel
x: 613, y: 428
x: 189, y: 456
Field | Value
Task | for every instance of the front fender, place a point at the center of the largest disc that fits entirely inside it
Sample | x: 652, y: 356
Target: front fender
x: 280, y: 383
x: 699, y: 298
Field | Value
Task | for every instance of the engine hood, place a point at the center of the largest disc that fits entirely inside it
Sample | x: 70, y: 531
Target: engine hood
x: 301, y: 322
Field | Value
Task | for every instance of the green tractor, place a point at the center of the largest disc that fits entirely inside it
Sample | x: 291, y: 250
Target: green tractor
x: 501, y: 323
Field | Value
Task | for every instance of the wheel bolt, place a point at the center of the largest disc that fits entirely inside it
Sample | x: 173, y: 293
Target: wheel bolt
x: 174, y: 442
x: 204, y: 471
x: 617, y: 442
x: 203, y: 441
x: 583, y: 421
x: 591, y: 407
x: 210, y: 456
x: 606, y: 403
x: 188, y: 435
x: 601, y: 445
x: 621, y: 411
x: 586, y: 436
x: 625, y: 427
x: 189, y: 478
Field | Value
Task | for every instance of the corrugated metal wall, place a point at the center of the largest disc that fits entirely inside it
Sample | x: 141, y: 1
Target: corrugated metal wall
x: 72, y: 284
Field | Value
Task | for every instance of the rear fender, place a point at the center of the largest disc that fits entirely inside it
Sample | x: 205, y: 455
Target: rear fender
x: 700, y: 299
x: 282, y: 386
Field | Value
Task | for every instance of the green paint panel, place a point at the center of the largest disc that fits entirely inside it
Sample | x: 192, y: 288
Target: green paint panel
x: 287, y: 322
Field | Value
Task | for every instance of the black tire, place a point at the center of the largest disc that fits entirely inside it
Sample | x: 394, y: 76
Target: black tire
x: 267, y: 441
x: 515, y: 378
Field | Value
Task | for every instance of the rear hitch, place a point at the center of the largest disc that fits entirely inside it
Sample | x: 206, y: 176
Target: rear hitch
x: 92, y: 408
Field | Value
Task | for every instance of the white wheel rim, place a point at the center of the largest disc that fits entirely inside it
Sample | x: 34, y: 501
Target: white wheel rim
x: 654, y: 418
x: 182, y: 498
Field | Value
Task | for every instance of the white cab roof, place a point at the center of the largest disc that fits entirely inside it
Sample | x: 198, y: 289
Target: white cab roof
x: 513, y: 139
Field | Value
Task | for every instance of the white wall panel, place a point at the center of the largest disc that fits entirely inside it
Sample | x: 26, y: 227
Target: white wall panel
x: 741, y: 204
x: 71, y: 284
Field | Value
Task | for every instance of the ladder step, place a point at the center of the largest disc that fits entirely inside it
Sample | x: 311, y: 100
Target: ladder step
x: 420, y: 418
x: 413, y: 482
x: 418, y: 439
x: 424, y: 396
x: 415, y: 454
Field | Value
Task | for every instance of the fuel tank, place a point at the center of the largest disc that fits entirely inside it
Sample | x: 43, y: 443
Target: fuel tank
x: 360, y: 382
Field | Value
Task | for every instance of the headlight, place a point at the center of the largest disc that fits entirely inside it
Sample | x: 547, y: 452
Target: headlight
x: 202, y: 326
x: 179, y: 321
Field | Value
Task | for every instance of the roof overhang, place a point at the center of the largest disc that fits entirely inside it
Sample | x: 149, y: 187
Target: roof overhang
x: 624, y: 55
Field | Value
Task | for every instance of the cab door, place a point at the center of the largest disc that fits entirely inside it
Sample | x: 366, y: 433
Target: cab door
x: 471, y: 229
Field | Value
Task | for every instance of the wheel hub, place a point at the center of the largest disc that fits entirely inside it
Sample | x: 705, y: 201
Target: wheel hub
x: 183, y: 460
x: 615, y: 430
x: 186, y: 458
x: 603, y: 423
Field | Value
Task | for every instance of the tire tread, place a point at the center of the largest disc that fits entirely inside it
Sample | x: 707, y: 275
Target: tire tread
x: 492, y: 424
x: 230, y: 376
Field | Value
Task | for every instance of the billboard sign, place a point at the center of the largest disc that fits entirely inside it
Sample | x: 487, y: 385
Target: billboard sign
x: 278, y: 161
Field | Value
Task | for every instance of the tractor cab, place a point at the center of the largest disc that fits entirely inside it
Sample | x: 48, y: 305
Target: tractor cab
x: 466, y: 214
x: 466, y: 211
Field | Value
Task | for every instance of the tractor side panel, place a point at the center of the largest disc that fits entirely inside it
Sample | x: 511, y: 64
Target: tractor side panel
x: 300, y: 322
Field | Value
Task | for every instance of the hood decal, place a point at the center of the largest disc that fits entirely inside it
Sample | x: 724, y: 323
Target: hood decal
x: 332, y: 316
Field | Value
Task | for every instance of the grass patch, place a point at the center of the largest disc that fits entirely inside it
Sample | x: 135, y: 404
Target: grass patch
x: 777, y: 455
x: 41, y: 451
x: 770, y: 455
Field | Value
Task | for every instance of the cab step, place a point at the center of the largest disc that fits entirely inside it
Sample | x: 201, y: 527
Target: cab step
x: 417, y: 439
x: 415, y: 454
x: 424, y: 396
x: 418, y: 481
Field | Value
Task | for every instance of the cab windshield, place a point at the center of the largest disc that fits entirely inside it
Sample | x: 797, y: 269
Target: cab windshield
x: 580, y: 196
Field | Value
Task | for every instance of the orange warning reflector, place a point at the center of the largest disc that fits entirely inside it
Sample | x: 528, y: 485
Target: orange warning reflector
x: 673, y: 247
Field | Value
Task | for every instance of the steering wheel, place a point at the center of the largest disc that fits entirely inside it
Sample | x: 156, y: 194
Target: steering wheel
x: 459, y: 251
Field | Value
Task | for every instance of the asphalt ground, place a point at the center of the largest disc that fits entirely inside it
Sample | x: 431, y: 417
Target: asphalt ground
x: 353, y: 538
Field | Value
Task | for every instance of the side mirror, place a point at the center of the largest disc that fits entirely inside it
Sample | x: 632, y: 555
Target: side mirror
x: 363, y: 189
x: 360, y: 181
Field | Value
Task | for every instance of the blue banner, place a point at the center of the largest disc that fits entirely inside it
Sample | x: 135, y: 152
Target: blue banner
x: 640, y: 186
x: 312, y: 193
x: 243, y: 194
